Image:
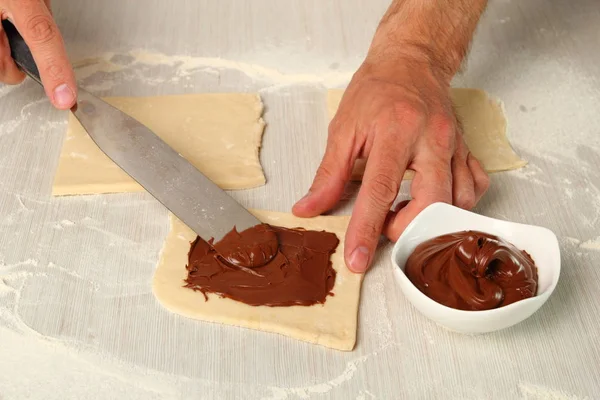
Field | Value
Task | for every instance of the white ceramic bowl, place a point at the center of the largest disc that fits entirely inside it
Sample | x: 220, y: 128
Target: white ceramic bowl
x: 439, y: 219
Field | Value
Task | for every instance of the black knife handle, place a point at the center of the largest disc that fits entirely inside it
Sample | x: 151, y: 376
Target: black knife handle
x: 20, y: 51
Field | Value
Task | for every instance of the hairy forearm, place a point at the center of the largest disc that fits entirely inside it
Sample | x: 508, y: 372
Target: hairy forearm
x: 436, y: 31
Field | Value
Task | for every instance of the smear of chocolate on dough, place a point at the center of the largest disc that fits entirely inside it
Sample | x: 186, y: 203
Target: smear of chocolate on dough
x: 265, y: 266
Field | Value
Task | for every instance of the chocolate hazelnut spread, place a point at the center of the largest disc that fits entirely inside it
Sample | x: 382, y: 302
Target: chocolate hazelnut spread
x: 265, y: 265
x: 472, y: 271
x: 252, y: 248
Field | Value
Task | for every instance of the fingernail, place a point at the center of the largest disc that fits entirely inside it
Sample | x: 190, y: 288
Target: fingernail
x: 359, y: 259
x: 64, y: 97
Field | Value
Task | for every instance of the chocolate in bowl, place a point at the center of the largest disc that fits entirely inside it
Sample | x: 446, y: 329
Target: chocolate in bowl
x: 472, y: 270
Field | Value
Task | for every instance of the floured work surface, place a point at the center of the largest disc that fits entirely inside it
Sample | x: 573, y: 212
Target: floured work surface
x: 332, y: 324
x: 484, y: 129
x: 219, y: 133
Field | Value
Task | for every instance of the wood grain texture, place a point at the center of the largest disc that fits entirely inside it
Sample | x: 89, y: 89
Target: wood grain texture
x: 79, y: 270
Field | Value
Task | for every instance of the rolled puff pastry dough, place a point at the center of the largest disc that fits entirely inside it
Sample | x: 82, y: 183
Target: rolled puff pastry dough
x: 332, y: 324
x: 484, y: 130
x: 219, y: 133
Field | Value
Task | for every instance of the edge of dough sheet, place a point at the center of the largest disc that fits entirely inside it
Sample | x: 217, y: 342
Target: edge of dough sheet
x: 102, y: 176
x: 500, y: 103
x: 333, y: 324
x: 506, y: 160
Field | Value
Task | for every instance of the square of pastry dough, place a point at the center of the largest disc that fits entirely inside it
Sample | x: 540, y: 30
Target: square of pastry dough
x: 332, y: 324
x: 219, y: 133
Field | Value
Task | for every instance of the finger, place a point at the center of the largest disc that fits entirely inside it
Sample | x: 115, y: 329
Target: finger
x: 432, y: 183
x: 381, y: 184
x: 463, y: 187
x: 48, y: 6
x: 331, y: 177
x: 35, y: 23
x: 392, y: 214
x: 401, y: 205
x: 480, y: 177
x: 9, y: 72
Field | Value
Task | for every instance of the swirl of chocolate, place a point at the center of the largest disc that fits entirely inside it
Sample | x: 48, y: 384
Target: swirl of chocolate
x: 472, y: 271
x: 251, y: 248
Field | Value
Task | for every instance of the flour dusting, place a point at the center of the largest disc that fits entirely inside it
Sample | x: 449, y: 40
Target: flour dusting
x: 592, y: 244
x: 103, y: 73
x: 534, y: 392
x: 10, y: 126
x: 572, y: 241
x: 6, y: 89
x: 279, y: 393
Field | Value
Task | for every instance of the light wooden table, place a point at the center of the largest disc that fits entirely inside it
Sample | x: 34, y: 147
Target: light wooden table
x: 77, y: 316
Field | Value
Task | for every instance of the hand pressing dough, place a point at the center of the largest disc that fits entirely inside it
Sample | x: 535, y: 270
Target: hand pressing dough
x: 332, y: 324
x: 219, y: 133
x: 484, y: 129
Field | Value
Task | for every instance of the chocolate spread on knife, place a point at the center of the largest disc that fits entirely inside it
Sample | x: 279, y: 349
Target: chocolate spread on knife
x: 265, y: 265
x: 472, y: 271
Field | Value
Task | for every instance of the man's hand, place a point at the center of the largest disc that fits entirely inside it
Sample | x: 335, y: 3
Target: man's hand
x: 397, y: 113
x: 34, y: 21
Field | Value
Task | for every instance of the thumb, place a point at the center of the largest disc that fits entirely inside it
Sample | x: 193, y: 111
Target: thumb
x: 9, y: 73
x: 331, y: 178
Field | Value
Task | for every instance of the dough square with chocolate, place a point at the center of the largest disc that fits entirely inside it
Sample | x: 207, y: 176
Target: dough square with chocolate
x: 332, y: 324
x: 484, y: 130
x: 219, y: 133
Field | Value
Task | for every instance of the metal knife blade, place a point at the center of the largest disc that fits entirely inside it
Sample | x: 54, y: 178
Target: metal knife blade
x: 171, y: 179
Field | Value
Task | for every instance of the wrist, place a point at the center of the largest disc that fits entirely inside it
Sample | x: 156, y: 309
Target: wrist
x: 407, y: 47
x: 434, y: 32
x: 407, y: 60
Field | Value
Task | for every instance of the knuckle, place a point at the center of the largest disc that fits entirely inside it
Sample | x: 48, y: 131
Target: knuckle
x: 337, y: 125
x: 332, y: 130
x: 438, y: 187
x: 484, y: 182
x: 383, y: 190
x: 444, y: 133
x: 335, y: 137
x: 465, y: 200
x: 324, y: 174
x: 324, y: 171
x: 334, y: 125
x: 409, y: 112
x: 393, y: 233
x: 54, y: 70
x: 462, y: 151
x: 41, y: 29
x: 367, y: 231
x: 440, y: 173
